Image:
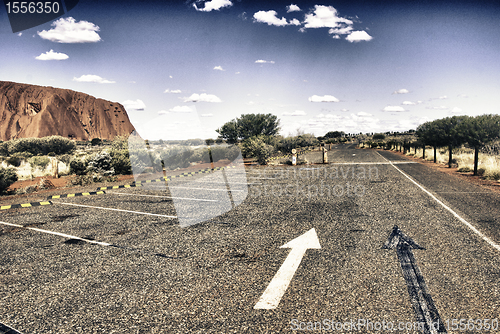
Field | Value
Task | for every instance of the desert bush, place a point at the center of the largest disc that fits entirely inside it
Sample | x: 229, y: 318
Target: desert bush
x: 17, y: 158
x: 39, y: 161
x: 4, y: 148
x: 100, y: 163
x: 66, y: 158
x: 7, y: 177
x: 77, y: 167
x: 256, y: 147
x: 178, y: 157
x: 35, y: 146
x: 96, y: 141
x: 120, y: 161
x: 81, y: 180
x: 492, y: 174
x: 464, y: 169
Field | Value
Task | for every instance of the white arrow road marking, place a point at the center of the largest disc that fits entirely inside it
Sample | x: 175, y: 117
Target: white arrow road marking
x: 276, y: 289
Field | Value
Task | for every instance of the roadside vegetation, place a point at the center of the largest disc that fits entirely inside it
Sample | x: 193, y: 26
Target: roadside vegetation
x: 471, y: 144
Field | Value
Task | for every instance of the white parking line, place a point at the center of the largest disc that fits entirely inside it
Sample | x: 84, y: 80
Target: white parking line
x: 57, y: 233
x: 196, y: 188
x: 230, y: 183
x: 111, y: 209
x: 185, y: 198
x: 469, y: 225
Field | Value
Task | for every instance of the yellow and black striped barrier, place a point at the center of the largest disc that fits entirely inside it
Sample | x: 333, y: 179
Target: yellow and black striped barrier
x: 122, y: 186
x: 163, y: 179
x: 77, y: 195
x: 25, y: 205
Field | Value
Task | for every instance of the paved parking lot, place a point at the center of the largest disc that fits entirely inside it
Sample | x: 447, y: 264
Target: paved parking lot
x: 194, y: 257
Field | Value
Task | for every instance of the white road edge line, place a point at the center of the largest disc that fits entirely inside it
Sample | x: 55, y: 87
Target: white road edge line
x: 191, y: 199
x: 111, y: 209
x: 57, y: 233
x: 192, y: 188
x: 469, y: 225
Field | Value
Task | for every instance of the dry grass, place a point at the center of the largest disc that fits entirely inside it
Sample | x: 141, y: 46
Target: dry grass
x: 465, y: 160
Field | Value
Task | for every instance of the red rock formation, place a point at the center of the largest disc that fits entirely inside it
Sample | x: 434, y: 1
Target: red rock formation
x: 36, y: 111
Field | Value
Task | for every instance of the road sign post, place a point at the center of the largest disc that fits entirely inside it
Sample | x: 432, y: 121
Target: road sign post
x: 294, y: 157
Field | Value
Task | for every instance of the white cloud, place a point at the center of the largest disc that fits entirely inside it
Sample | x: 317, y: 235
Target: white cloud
x: 270, y: 18
x: 324, y: 98
x: 207, y: 115
x: 456, y: 110
x: 135, y: 105
x: 261, y: 61
x: 438, y: 108
x: 51, y: 55
x: 292, y: 8
x: 444, y: 97
x: 364, y: 114
x: 408, y: 103
x: 463, y: 95
x: 67, y: 30
x: 344, y: 110
x: 294, y: 113
x: 92, y: 78
x: 394, y: 109
x: 213, y: 5
x: 219, y: 68
x: 401, y: 91
x: 325, y: 17
x: 181, y: 109
x: 173, y: 91
x: 336, y: 32
x: 295, y: 22
x: 20, y: 34
x: 202, y: 98
x: 163, y: 112
x: 358, y: 36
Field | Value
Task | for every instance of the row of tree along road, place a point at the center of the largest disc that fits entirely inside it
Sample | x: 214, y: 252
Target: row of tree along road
x: 456, y: 131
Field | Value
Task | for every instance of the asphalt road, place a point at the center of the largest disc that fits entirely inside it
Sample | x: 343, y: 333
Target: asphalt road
x: 207, y: 277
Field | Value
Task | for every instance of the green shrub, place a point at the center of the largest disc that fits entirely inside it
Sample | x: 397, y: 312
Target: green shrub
x: 35, y: 146
x: 77, y: 167
x: 7, y: 177
x: 379, y: 136
x: 120, y: 162
x: 96, y: 142
x: 100, y: 163
x: 492, y: 175
x: 464, y: 169
x: 4, y: 148
x: 256, y: 147
x: 40, y: 161
x: 17, y: 158
x: 481, y: 171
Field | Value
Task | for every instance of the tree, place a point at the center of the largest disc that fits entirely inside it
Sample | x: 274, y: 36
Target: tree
x: 229, y: 132
x: 450, y: 133
x: 447, y: 132
x: 334, y: 134
x: 249, y: 125
x: 427, y: 135
x: 479, y: 131
x: 379, y: 136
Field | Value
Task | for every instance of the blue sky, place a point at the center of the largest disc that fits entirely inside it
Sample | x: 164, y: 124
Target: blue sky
x: 183, y: 69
